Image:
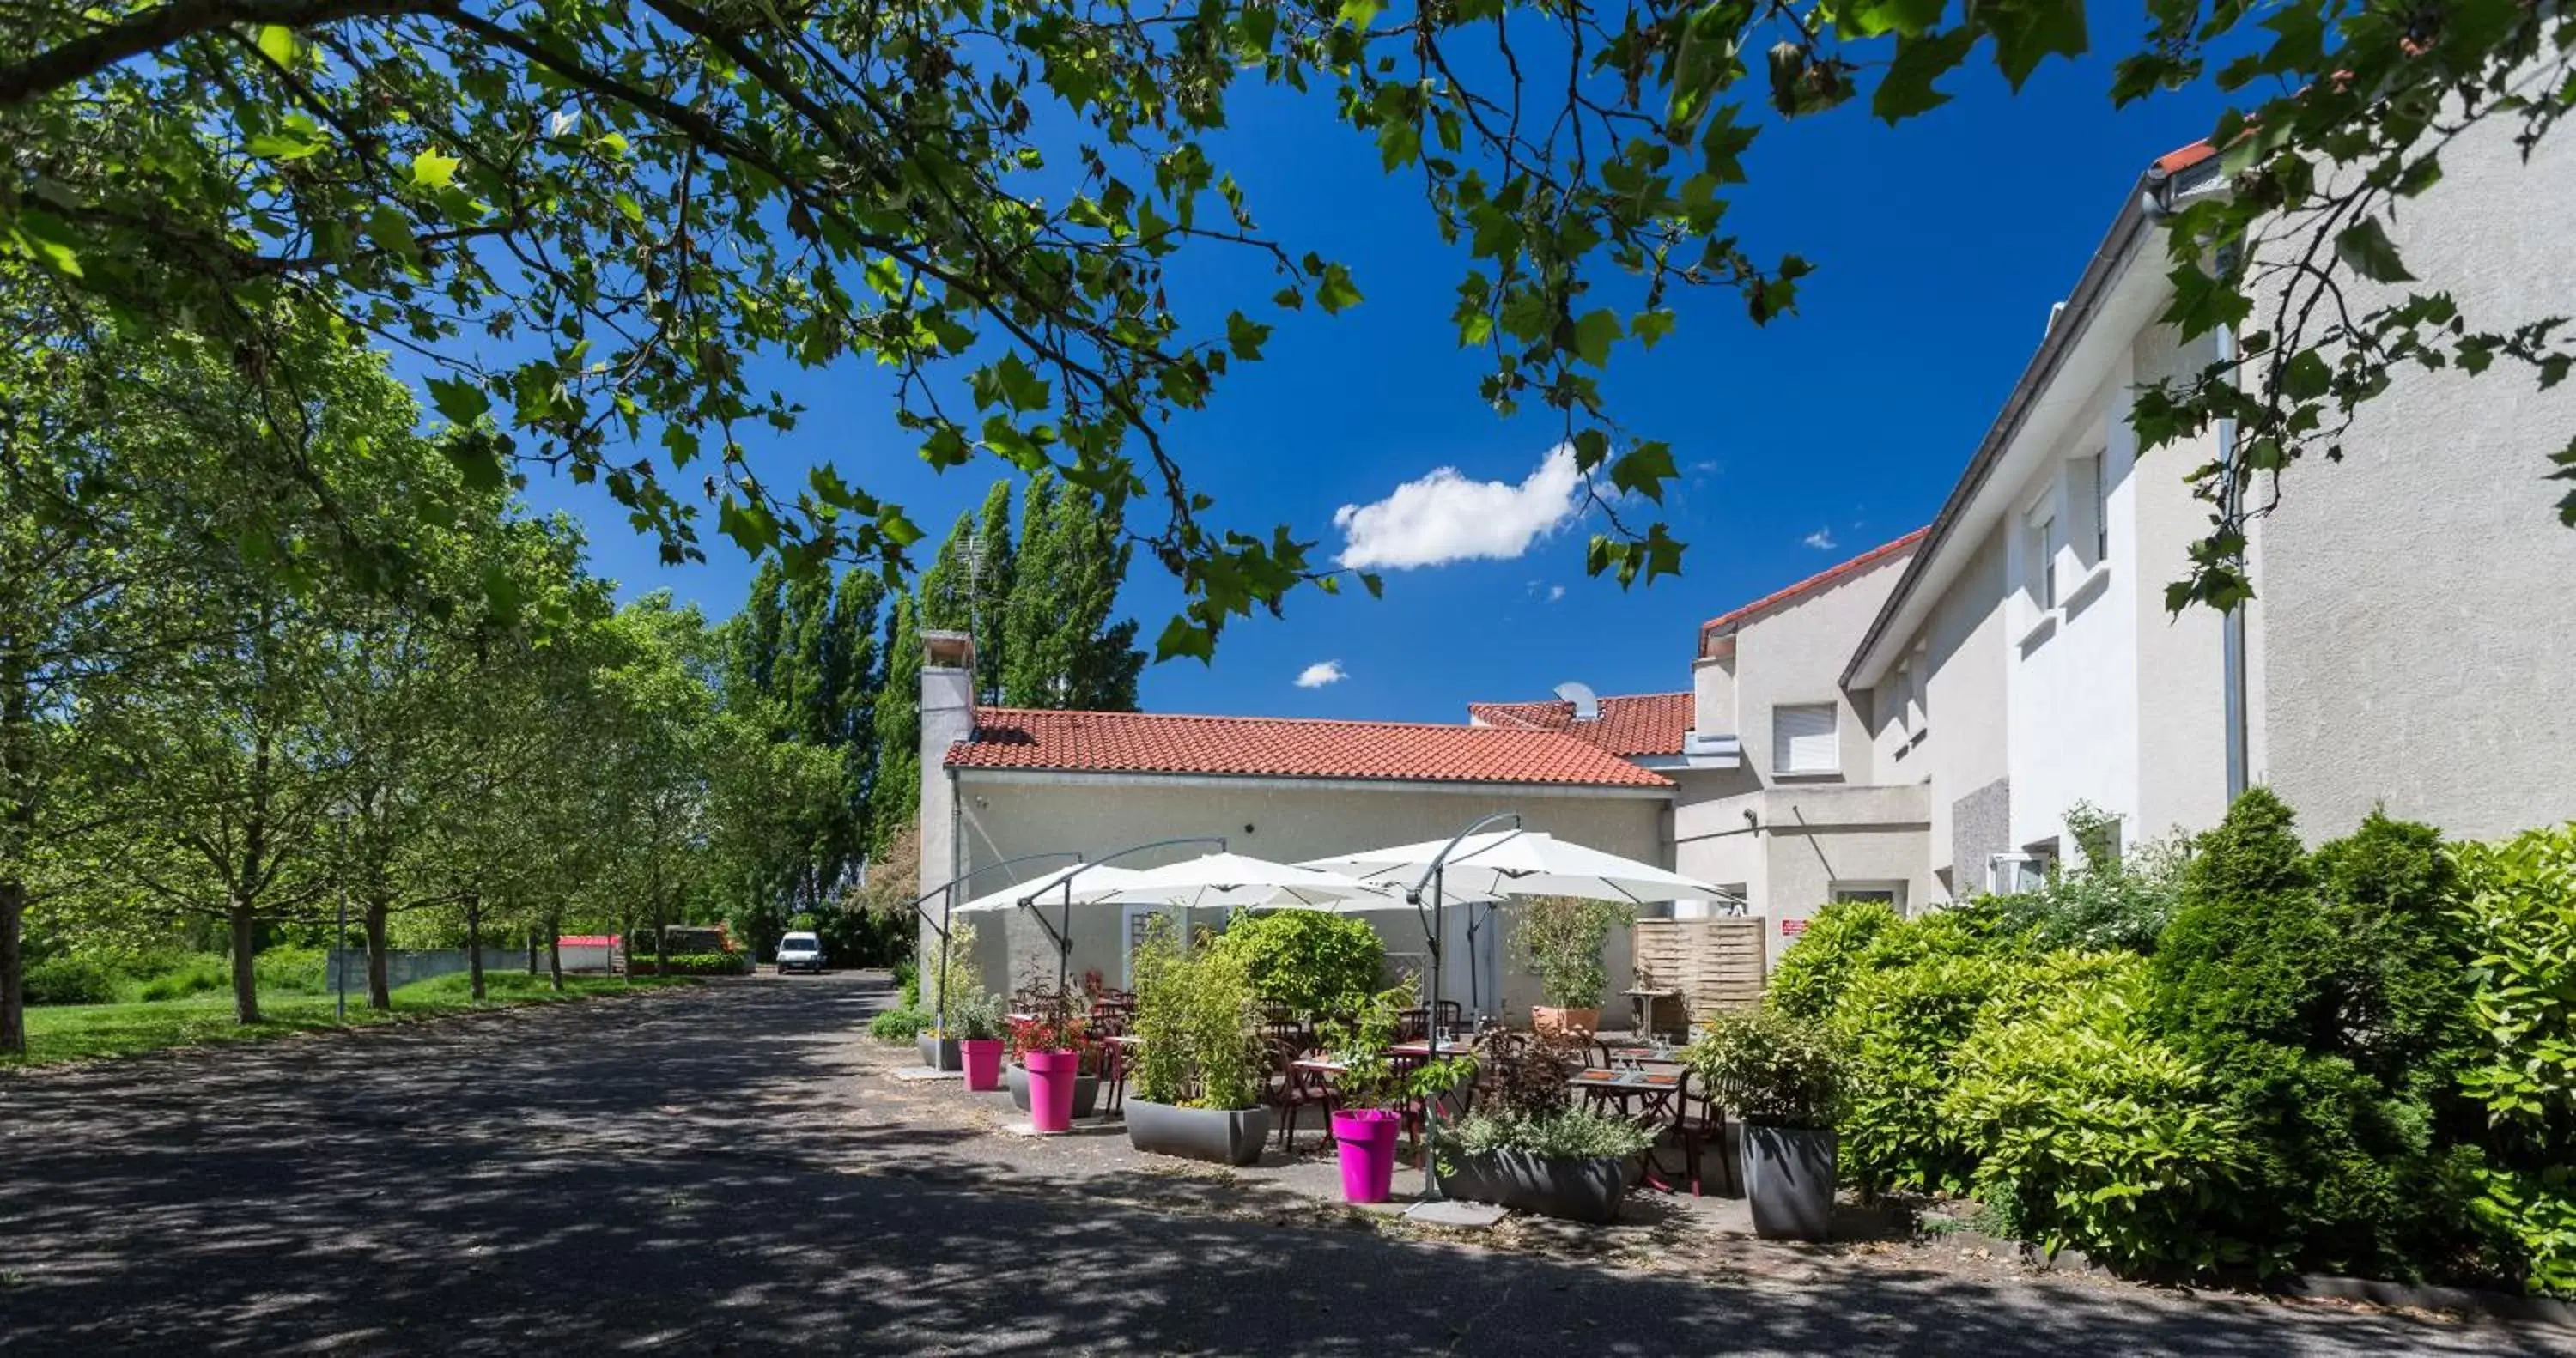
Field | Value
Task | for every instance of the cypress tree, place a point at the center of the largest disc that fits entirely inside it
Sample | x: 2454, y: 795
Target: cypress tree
x: 895, y: 795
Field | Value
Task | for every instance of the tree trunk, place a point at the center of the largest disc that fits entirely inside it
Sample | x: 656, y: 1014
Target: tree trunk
x: 474, y: 942
x: 380, y: 991
x: 554, y: 949
x: 13, y: 997
x: 532, y: 952
x: 245, y: 922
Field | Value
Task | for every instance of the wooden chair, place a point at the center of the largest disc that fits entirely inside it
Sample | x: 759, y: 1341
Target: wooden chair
x: 1291, y: 1089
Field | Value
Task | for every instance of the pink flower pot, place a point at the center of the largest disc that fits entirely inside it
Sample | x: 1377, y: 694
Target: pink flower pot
x: 1366, y: 1137
x: 1052, y: 1076
x: 983, y: 1063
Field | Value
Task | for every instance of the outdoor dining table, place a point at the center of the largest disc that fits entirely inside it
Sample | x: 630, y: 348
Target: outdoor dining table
x: 1644, y: 1054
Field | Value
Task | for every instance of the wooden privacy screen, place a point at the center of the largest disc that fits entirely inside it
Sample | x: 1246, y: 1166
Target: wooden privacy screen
x: 1715, y: 963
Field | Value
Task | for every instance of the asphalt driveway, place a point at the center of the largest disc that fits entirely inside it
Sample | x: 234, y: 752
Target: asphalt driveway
x: 695, y: 1172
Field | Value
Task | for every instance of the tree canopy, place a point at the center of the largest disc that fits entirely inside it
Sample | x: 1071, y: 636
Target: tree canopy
x: 589, y: 219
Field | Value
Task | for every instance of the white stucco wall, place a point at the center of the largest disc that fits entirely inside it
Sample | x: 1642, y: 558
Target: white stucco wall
x: 2071, y: 672
x: 2418, y: 640
x: 2182, y: 703
x: 1795, y: 654
x: 1004, y: 814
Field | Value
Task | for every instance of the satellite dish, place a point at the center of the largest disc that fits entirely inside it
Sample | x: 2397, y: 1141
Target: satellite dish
x: 1586, y: 706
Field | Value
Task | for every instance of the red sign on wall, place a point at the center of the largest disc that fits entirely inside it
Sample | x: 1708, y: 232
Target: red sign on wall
x: 1791, y: 928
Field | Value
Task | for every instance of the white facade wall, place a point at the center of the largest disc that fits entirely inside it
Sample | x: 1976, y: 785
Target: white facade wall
x: 2071, y: 665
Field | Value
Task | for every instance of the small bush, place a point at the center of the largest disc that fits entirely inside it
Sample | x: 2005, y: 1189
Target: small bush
x: 692, y: 964
x: 1313, y: 961
x: 1194, y: 1010
x: 71, y: 980
x: 1771, y: 1069
x: 1567, y: 1134
x: 291, y: 971
x: 1561, y: 937
x: 2086, y: 1131
x: 899, y: 1025
x: 907, y: 980
x: 177, y: 978
x: 2121, y: 905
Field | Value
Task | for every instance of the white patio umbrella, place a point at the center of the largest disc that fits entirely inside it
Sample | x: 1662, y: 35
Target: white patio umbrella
x: 1233, y: 881
x: 1503, y: 863
x: 1095, y: 882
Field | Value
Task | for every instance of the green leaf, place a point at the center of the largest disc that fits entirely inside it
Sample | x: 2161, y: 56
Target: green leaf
x: 2027, y: 32
x: 626, y: 205
x: 1644, y: 470
x: 1245, y: 336
x: 2364, y: 247
x: 1906, y: 89
x: 45, y: 238
x: 277, y: 43
x: 287, y: 142
x: 1336, y: 293
x: 750, y: 525
x: 430, y: 170
x: 1184, y: 637
x: 1593, y: 336
x: 477, y: 461
x: 1360, y: 14
x: 460, y: 401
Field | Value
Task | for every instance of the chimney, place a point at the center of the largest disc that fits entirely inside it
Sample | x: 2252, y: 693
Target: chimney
x: 947, y: 717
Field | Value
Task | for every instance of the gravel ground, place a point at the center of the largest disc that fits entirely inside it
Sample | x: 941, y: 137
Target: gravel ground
x: 730, y: 1169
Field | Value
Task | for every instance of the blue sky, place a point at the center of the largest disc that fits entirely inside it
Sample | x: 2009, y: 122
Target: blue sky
x: 1940, y: 246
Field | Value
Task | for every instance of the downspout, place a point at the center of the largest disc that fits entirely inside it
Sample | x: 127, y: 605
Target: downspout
x: 2232, y: 633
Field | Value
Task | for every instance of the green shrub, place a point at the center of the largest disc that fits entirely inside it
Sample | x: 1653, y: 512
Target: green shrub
x: 291, y: 971
x: 907, y: 980
x: 1194, y: 1012
x: 1903, y: 1025
x: 1813, y: 972
x: 1772, y: 1069
x: 899, y: 1025
x: 2085, y: 1130
x: 2121, y: 905
x: 71, y: 980
x: 1567, y: 1134
x: 1561, y: 937
x: 1313, y: 961
x: 692, y: 964
x: 179, y: 977
x: 2518, y: 910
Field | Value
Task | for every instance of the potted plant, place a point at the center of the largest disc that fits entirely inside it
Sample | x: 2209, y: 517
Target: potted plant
x: 951, y: 965
x: 1782, y: 1078
x: 1370, y: 1093
x: 979, y: 1027
x: 1530, y: 1148
x: 1196, y: 1089
x: 1050, y: 1044
x: 1561, y: 938
x: 1028, y: 1035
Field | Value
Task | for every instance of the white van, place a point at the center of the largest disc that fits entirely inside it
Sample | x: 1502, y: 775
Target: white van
x: 800, y: 952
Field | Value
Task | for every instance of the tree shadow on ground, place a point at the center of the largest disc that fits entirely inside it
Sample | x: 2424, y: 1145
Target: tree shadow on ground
x: 660, y: 1173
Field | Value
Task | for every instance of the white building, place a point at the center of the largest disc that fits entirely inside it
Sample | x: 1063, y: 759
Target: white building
x: 1915, y: 725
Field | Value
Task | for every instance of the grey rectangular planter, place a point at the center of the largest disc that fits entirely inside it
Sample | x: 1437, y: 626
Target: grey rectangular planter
x: 1224, y: 1137
x: 1577, y: 1190
x: 941, y: 1053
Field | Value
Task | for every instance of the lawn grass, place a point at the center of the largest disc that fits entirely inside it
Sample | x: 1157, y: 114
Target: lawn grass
x: 80, y: 1032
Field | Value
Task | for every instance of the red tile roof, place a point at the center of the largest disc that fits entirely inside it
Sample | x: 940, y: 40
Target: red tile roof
x: 1285, y: 747
x: 1729, y: 620
x: 2184, y: 158
x: 1643, y: 723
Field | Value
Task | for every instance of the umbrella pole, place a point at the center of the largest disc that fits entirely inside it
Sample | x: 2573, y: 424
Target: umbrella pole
x: 1431, y: 1101
x: 947, y: 900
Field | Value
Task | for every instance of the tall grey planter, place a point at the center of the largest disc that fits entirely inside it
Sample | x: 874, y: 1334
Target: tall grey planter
x: 941, y: 1053
x: 1225, y: 1137
x: 1789, y: 1181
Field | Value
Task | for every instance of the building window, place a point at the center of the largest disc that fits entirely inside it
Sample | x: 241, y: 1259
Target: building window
x: 2042, y: 543
x: 2012, y: 874
x: 1804, y: 739
x: 2100, y: 468
x: 1889, y: 894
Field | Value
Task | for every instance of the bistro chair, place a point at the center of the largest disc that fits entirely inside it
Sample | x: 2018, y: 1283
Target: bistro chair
x: 1292, y: 1088
x: 1702, y: 1127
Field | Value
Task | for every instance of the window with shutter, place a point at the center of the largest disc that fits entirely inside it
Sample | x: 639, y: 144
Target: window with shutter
x: 1803, y: 739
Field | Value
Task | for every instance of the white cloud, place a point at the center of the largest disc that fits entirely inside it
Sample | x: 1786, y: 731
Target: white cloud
x: 1822, y: 539
x: 1555, y: 592
x: 1320, y: 673
x: 1444, y: 517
